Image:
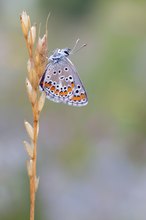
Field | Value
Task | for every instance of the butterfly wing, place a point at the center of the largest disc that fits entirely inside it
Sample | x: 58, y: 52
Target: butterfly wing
x: 61, y: 83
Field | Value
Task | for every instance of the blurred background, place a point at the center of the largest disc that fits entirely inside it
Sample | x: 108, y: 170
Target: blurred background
x: 91, y: 160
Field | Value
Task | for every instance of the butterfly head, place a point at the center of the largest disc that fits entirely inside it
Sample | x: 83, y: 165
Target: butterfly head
x: 64, y: 52
x: 58, y: 54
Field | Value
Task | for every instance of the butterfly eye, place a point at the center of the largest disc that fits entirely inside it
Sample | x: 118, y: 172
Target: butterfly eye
x: 66, y: 52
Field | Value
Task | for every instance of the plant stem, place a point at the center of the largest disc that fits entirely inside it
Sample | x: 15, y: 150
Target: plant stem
x: 34, y: 162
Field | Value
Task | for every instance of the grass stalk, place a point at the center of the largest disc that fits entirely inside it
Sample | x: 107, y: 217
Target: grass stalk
x: 37, y: 51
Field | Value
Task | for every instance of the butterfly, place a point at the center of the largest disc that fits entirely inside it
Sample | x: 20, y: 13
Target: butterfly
x: 61, y: 82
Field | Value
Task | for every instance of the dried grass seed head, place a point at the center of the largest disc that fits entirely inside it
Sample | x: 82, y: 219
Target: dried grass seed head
x: 32, y: 36
x: 25, y: 23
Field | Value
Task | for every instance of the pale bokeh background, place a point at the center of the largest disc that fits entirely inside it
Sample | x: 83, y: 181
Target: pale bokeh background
x: 91, y: 160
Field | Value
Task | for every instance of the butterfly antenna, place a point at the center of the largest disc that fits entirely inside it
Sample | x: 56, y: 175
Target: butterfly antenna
x: 74, y: 47
x: 73, y: 50
x: 84, y: 45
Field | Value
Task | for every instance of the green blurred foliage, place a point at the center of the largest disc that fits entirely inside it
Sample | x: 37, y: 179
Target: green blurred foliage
x: 65, y: 8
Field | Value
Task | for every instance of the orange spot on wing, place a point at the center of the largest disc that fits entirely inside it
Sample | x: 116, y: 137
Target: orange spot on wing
x: 72, y: 84
x: 57, y: 91
x: 65, y: 93
x: 52, y: 88
x: 61, y: 93
x: 83, y: 96
x: 76, y: 98
x: 47, y: 84
x: 69, y: 89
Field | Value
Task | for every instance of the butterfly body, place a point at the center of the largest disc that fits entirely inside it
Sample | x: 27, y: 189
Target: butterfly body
x: 61, y: 82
